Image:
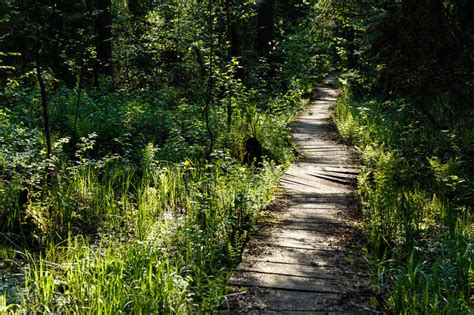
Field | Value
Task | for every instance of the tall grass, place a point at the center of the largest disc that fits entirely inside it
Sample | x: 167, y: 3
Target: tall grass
x: 161, y: 242
x: 112, y: 277
x: 414, y: 196
x: 134, y: 233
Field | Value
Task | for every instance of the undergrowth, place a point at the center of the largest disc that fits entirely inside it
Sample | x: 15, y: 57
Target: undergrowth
x: 163, y: 242
x: 151, y: 187
x: 130, y: 225
x: 415, y: 190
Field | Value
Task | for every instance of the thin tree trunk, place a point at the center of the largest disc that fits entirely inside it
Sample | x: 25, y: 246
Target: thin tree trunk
x: 44, y: 100
x: 233, y: 37
x: 210, y: 80
x: 265, y: 27
x: 234, y: 53
x: 103, y: 28
x: 44, y: 104
x: 386, y: 88
x: 78, y: 104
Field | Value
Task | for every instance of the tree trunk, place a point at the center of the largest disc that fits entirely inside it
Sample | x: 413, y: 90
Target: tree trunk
x: 103, y: 29
x: 210, y: 80
x: 350, y: 36
x: 234, y: 39
x: 386, y: 88
x: 44, y: 105
x: 292, y: 11
x: 265, y: 27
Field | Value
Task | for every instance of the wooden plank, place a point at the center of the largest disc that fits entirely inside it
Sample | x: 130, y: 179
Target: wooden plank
x: 305, y: 235
x: 275, y: 301
x: 283, y: 268
x: 299, y: 242
x: 291, y: 283
x: 311, y: 220
x: 315, y: 257
x: 301, y: 225
x: 334, y: 179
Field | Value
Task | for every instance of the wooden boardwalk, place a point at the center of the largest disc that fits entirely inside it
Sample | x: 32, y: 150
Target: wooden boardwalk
x: 303, y: 260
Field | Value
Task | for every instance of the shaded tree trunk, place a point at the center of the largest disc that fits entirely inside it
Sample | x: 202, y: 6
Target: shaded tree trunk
x: 265, y: 17
x: 349, y: 35
x: 44, y: 105
x: 234, y: 53
x: 210, y: 80
x: 386, y: 88
x: 291, y: 10
x: 233, y: 37
x: 103, y: 29
x: 39, y: 45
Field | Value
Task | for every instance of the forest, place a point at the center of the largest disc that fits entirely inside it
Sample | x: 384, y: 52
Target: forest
x: 141, y: 139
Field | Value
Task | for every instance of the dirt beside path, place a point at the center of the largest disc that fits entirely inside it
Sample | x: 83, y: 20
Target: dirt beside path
x: 305, y: 257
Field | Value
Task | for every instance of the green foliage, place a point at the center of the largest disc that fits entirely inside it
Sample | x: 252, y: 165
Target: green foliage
x: 135, y: 211
x: 409, y: 116
x: 415, y: 195
x: 176, y: 230
x: 73, y: 278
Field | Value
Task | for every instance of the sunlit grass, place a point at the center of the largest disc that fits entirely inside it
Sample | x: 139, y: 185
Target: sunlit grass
x: 155, y: 228
x: 159, y: 243
x: 418, y: 230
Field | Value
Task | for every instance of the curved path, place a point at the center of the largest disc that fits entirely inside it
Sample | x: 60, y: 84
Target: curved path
x: 304, y: 257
